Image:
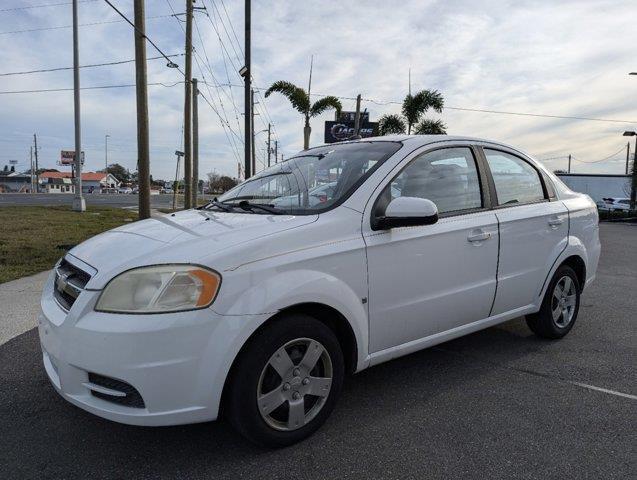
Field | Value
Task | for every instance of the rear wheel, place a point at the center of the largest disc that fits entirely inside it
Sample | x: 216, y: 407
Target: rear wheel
x: 560, y: 306
x: 286, y: 381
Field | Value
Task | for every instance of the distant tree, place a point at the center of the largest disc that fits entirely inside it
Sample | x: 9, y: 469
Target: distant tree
x: 220, y: 183
x: 301, y: 101
x: 413, y: 109
x: 119, y: 172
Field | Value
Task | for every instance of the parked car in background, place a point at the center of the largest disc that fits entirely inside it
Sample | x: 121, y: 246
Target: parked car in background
x: 125, y: 190
x: 319, y: 194
x: 615, y: 204
x: 260, y: 311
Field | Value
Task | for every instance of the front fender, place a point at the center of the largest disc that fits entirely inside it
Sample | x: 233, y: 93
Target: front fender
x: 286, y: 289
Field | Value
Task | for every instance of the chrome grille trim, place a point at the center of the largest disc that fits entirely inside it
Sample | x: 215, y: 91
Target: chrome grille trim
x: 68, y: 284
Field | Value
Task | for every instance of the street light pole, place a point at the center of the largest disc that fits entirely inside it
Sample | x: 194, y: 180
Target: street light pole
x: 633, y: 187
x: 79, y: 204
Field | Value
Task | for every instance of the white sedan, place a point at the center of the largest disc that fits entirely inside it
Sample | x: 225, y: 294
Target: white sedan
x: 615, y: 204
x: 260, y: 312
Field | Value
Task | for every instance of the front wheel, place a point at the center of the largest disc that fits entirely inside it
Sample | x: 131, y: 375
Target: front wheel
x: 286, y: 381
x: 560, y: 306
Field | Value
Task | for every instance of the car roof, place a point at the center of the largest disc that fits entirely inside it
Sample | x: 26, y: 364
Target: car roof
x: 421, y: 140
x: 416, y: 140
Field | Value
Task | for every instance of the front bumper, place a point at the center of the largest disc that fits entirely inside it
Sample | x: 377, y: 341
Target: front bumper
x: 177, y: 362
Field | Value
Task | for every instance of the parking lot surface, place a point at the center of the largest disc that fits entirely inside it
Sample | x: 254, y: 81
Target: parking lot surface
x: 500, y: 403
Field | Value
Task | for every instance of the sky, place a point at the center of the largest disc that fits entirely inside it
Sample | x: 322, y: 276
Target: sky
x: 567, y: 58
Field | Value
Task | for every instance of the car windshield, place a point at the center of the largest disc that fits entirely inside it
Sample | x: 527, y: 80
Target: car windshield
x: 314, y: 180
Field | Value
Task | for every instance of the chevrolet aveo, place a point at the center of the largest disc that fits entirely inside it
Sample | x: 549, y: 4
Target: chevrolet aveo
x: 258, y: 311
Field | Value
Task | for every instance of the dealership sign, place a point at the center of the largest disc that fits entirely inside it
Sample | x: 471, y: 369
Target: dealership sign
x: 67, y: 157
x: 340, y: 131
x: 343, y: 127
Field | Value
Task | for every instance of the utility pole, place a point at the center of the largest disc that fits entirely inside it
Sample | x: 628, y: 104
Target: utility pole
x: 106, y: 153
x: 569, y: 163
x: 253, y: 170
x: 35, y: 152
x: 176, y: 184
x: 188, y: 110
x: 143, y: 145
x: 195, y: 143
x: 269, y: 148
x: 247, y: 93
x: 31, y: 158
x: 357, y: 118
x: 627, y: 156
x: 79, y: 205
x: 276, y: 151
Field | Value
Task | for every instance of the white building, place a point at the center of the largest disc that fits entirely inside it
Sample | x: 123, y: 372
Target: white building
x: 598, y: 186
x: 91, y: 181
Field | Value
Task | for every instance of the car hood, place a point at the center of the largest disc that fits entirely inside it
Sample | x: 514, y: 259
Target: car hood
x: 183, y: 237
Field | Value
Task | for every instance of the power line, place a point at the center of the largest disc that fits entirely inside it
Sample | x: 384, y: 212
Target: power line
x: 171, y: 64
x: 223, y: 109
x: 96, y: 87
x: 621, y: 150
x: 231, y: 26
x: 225, y: 66
x: 44, y: 5
x: 478, y: 110
x: 82, y: 66
x: 58, y: 27
x: 225, y: 30
x: 224, y: 122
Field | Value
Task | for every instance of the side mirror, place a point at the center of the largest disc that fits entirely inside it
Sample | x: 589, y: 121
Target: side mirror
x: 407, y: 212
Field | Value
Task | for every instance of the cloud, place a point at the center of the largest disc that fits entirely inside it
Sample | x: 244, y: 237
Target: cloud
x: 567, y: 58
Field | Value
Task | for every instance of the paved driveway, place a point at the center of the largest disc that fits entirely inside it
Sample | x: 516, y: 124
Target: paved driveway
x: 496, y: 404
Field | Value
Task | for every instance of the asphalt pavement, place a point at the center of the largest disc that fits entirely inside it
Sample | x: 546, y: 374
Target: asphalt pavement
x: 499, y: 403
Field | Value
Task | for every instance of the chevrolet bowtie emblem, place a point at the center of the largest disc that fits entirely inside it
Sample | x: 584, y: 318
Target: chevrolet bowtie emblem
x: 61, y: 282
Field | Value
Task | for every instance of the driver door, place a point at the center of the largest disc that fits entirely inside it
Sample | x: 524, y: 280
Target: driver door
x: 426, y: 280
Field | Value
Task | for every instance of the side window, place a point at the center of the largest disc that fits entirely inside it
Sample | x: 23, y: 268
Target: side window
x: 448, y: 177
x: 515, y: 180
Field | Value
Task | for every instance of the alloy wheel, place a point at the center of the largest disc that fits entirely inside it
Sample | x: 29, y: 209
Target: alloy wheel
x: 564, y: 301
x: 294, y: 384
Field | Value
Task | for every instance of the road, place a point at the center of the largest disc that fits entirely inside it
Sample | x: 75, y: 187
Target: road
x: 93, y: 199
x: 500, y: 403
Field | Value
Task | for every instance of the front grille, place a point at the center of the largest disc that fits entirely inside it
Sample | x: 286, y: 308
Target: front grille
x: 132, y: 399
x: 69, y: 283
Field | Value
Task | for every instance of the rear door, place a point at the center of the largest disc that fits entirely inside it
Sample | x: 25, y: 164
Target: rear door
x: 533, y: 228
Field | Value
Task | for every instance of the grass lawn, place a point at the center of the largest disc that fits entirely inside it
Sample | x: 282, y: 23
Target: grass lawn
x: 32, y: 239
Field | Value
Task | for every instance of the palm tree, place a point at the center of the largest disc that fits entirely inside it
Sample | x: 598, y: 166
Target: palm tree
x: 414, y: 107
x: 300, y: 100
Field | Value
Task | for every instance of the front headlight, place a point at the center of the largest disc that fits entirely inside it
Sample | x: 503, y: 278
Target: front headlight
x: 160, y: 289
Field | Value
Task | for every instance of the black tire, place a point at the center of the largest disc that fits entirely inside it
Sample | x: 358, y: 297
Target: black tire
x: 543, y: 323
x: 248, y: 371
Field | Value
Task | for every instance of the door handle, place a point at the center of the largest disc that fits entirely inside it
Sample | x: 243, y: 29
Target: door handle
x: 555, y: 222
x: 479, y: 236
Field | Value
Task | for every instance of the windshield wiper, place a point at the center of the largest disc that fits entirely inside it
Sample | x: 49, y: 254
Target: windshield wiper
x: 220, y: 205
x: 245, y: 205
